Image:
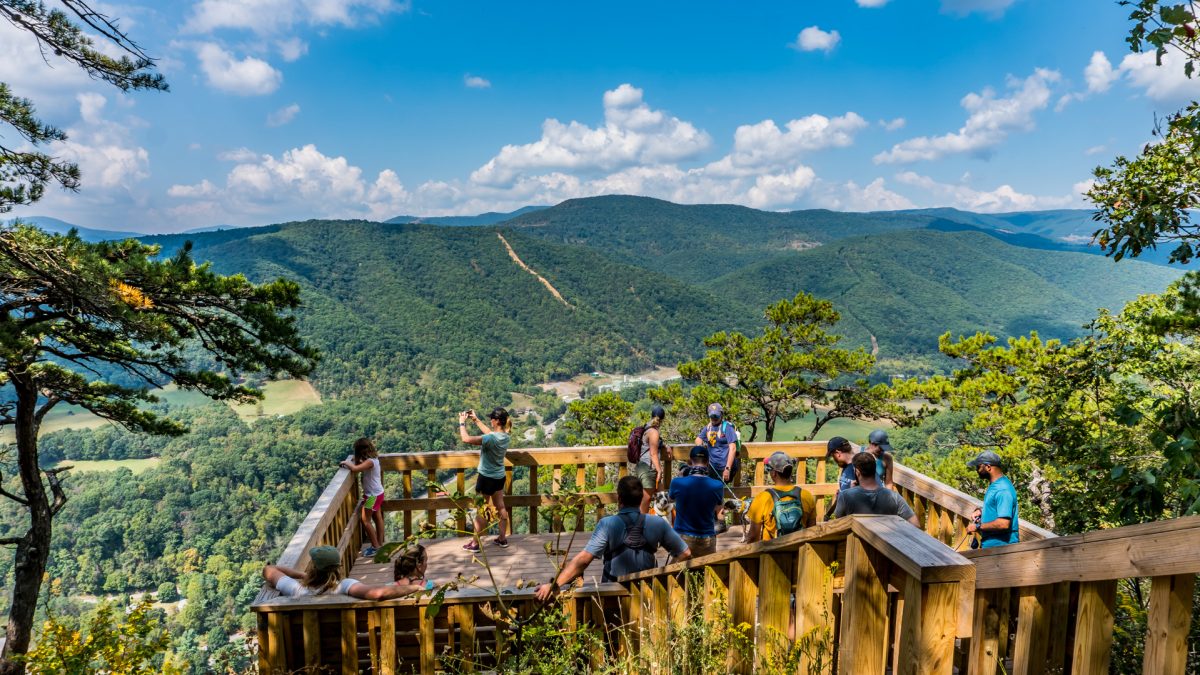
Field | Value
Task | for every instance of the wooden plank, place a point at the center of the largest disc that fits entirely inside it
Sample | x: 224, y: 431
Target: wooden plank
x: 677, y: 599
x: 312, y: 638
x: 264, y: 645
x: 776, y: 581
x: 533, y: 509
x: 743, y: 596
x: 814, y: 606
x: 277, y: 653
x: 863, y: 648
x: 1168, y: 623
x: 986, y: 633
x: 660, y: 608
x: 426, y: 639
x: 1060, y: 639
x: 373, y: 637
x: 908, y: 623
x: 906, y: 548
x: 460, y: 484
x: 407, y: 492
x: 1033, y: 630
x: 939, y: 621
x: 601, y: 470
x: 1094, y: 628
x: 1162, y: 548
x: 580, y: 486
x: 430, y: 480
x: 716, y: 589
x: 462, y: 617
x: 387, y: 641
x: 349, y: 643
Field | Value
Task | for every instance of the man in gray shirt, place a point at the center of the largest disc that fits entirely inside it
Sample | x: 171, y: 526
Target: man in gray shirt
x: 869, y: 497
x: 611, y: 542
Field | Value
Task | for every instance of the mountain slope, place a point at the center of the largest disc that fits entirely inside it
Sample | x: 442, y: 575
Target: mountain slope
x: 62, y: 227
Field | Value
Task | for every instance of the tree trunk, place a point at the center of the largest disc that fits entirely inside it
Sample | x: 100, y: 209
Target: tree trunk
x: 1040, y: 495
x: 770, y: 422
x: 33, y: 551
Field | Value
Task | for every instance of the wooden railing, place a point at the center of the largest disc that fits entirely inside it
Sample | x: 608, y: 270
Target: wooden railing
x: 539, y: 478
x: 1048, y: 606
x: 782, y: 592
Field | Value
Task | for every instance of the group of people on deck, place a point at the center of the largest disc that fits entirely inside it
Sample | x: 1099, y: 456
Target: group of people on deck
x: 628, y: 541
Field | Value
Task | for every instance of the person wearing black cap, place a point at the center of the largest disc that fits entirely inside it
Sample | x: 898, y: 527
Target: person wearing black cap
x: 877, y: 444
x: 842, y: 453
x: 697, y: 495
x: 997, y: 522
x: 649, y: 466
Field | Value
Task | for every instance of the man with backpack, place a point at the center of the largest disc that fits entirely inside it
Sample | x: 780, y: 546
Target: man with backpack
x: 697, y: 495
x: 869, y: 497
x: 626, y: 542
x: 721, y: 439
x: 644, y: 452
x: 782, y: 509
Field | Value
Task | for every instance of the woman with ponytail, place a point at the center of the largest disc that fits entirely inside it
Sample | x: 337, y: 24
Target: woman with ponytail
x: 490, y: 481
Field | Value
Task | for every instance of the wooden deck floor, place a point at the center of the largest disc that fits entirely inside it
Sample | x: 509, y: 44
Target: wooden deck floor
x: 525, y: 560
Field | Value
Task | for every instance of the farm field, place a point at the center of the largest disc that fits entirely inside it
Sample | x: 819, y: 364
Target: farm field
x: 135, y: 465
x: 282, y: 398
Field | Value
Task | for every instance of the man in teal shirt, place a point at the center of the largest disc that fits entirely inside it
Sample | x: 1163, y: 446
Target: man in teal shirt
x: 998, y: 522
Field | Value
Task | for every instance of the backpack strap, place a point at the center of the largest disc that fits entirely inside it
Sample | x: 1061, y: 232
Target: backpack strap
x: 620, y: 547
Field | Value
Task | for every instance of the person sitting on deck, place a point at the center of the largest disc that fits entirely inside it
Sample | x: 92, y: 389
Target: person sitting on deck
x: 409, y: 569
x: 324, y: 576
x: 877, y: 444
x: 696, y: 495
x: 773, y: 511
x: 997, y: 523
x: 626, y: 542
x: 869, y: 497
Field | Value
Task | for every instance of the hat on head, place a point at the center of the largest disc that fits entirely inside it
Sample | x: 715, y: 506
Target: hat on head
x: 836, y: 443
x: 699, y: 451
x: 986, y: 457
x: 715, y: 409
x: 325, y: 557
x: 879, y: 437
x: 657, y: 411
x: 779, y: 462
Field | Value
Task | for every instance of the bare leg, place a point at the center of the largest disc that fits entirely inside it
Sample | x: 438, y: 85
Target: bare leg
x: 646, y: 499
x: 367, y: 521
x: 380, y: 532
x: 502, y: 511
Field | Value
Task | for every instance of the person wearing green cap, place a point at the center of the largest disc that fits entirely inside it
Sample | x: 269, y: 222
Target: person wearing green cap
x: 324, y: 577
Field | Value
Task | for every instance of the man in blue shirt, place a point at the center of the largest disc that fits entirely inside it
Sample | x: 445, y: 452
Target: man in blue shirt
x: 609, y: 542
x: 697, y: 496
x: 998, y: 521
x: 842, y: 453
x: 721, y: 439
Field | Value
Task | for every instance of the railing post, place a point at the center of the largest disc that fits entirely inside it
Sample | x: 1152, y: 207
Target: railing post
x: 1033, y: 630
x: 743, y: 596
x: 989, y: 628
x: 927, y: 618
x: 863, y: 645
x: 814, y: 607
x: 1094, y: 627
x: 1169, y: 621
x: 776, y: 579
x: 349, y: 643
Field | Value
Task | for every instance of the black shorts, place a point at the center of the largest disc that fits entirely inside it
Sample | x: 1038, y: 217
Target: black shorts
x: 488, y: 486
x: 714, y: 473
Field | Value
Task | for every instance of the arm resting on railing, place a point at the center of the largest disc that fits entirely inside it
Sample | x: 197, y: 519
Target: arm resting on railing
x: 571, y: 572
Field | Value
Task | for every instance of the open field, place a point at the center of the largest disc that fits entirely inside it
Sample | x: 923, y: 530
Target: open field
x: 65, y: 416
x: 135, y: 465
x: 568, y: 390
x: 854, y: 430
x: 282, y: 398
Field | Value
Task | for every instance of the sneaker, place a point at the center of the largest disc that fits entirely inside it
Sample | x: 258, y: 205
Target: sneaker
x: 502, y: 543
x: 471, y: 546
x: 369, y: 552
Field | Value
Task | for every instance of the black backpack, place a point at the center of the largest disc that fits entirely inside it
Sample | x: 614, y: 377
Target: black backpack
x: 634, y: 540
x: 633, y: 450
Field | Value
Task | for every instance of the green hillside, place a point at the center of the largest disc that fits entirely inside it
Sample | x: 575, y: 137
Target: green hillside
x: 908, y: 287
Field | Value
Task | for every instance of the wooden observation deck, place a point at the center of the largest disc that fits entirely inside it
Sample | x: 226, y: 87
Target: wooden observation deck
x: 874, y: 593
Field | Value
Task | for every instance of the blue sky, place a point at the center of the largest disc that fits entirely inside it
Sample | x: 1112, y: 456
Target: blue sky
x: 295, y: 109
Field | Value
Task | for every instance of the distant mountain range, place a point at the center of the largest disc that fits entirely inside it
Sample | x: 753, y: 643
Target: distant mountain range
x: 643, y: 281
x: 489, y: 218
x: 62, y: 227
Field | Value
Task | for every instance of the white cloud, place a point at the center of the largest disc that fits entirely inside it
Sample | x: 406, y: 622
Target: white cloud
x: 1003, y: 198
x: 765, y: 146
x: 246, y: 77
x: 238, y: 155
x: 50, y: 81
x: 813, y: 39
x: 874, y: 196
x: 1099, y: 73
x: 632, y: 134
x: 107, y: 156
x: 893, y: 125
x: 268, y: 17
x: 201, y: 189
x: 283, y: 115
x: 1095, y: 150
x: 991, y: 120
x: 1161, y: 83
x: 292, y: 49
x: 476, y: 82
x: 963, y: 7
x: 871, y: 3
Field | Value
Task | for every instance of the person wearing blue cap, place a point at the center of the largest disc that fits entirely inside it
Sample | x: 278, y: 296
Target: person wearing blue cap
x: 997, y: 522
x: 721, y: 439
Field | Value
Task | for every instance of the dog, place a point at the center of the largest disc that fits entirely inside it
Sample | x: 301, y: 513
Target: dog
x: 664, y: 506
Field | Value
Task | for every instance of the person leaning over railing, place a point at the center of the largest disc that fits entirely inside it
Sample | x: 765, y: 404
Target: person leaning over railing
x: 869, y: 497
x: 783, y: 508
x: 626, y: 542
x: 997, y: 522
x: 324, y: 577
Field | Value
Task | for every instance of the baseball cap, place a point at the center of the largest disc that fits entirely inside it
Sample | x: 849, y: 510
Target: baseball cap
x: 325, y: 557
x: 836, y: 443
x: 879, y: 437
x: 778, y: 462
x: 715, y: 409
x: 699, y: 451
x: 986, y: 457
